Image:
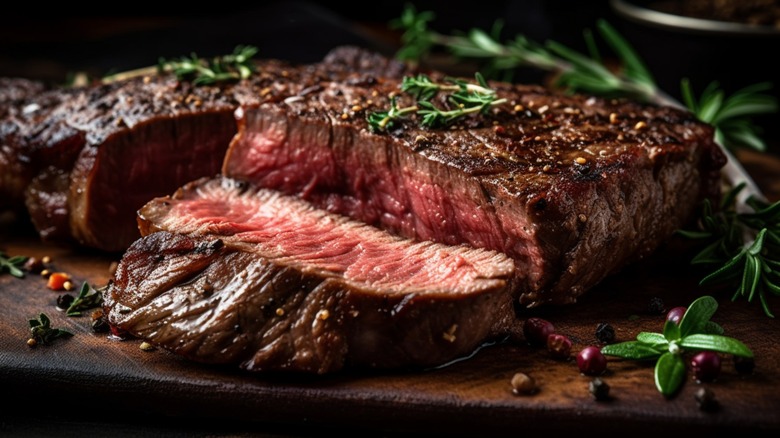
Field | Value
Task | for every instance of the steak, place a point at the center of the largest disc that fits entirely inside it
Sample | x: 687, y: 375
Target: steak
x: 232, y: 274
x: 85, y: 159
x: 571, y: 187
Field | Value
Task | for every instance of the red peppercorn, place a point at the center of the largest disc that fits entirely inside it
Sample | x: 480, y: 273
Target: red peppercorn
x: 536, y: 331
x: 676, y: 314
x: 559, y: 346
x: 706, y: 366
x: 591, y: 362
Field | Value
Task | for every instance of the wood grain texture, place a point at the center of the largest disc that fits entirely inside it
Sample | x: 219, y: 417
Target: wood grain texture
x: 132, y: 391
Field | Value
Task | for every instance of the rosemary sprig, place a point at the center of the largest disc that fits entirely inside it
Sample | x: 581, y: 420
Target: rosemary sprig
x: 466, y: 98
x: 576, y: 72
x: 731, y: 116
x: 233, y: 67
x: 744, y: 248
x: 88, y: 298
x: 41, y: 331
x: 695, y: 333
x: 12, y: 265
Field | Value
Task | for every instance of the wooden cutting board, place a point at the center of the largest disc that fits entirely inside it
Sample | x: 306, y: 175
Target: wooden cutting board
x: 95, y: 384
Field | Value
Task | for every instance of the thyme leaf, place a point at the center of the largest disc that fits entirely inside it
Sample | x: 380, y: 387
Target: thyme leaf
x: 695, y: 333
x: 88, y: 298
x: 42, y: 332
x: 465, y: 98
x: 226, y: 68
x: 13, y: 265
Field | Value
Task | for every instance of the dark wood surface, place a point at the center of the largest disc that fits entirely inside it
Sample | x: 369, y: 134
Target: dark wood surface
x: 91, y: 383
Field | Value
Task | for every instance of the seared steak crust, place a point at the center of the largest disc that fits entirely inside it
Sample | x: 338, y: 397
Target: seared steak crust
x: 235, y: 275
x: 571, y: 187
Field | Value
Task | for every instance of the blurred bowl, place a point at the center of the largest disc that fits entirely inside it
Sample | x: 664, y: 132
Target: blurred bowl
x: 674, y: 46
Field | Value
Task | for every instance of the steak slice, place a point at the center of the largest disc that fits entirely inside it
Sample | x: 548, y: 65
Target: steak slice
x: 90, y: 157
x: 231, y: 274
x: 571, y: 187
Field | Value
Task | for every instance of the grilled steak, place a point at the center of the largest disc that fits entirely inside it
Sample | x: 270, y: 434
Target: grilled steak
x: 570, y: 187
x: 89, y: 157
x: 232, y: 274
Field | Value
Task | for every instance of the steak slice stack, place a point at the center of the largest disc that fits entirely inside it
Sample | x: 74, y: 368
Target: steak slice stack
x: 85, y: 159
x: 570, y: 187
x: 232, y: 274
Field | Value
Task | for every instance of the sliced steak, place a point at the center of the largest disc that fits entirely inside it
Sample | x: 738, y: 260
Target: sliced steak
x: 571, y: 187
x: 120, y: 144
x: 231, y: 274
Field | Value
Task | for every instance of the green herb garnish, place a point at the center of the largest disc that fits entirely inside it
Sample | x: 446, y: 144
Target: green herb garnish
x: 42, y: 332
x: 731, y: 114
x: 466, y: 98
x: 88, y: 298
x: 745, y: 246
x: 12, y: 265
x: 695, y: 333
x: 227, y: 68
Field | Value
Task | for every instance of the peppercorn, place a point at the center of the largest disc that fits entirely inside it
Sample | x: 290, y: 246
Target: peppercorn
x: 705, y: 398
x: 536, y: 331
x: 64, y: 301
x: 33, y: 265
x: 100, y: 325
x: 599, y: 389
x: 559, y: 346
x: 656, y: 306
x: 744, y: 365
x: 605, y: 333
x: 523, y: 384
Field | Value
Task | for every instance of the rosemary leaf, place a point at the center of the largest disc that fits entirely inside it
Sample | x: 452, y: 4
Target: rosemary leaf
x: 12, y: 265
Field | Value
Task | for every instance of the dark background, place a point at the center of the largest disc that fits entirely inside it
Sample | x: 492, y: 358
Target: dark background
x: 98, y: 42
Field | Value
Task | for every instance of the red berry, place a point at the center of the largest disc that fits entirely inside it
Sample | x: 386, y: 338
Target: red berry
x: 591, y: 361
x: 706, y: 366
x: 559, y: 346
x: 536, y: 331
x: 676, y: 314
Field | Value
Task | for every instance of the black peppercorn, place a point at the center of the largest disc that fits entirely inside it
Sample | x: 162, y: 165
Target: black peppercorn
x: 100, y: 325
x: 744, y: 365
x: 605, y: 333
x: 705, y: 398
x: 656, y: 306
x: 64, y: 301
x: 599, y: 389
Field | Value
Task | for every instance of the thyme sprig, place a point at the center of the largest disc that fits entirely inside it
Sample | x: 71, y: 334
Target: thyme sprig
x: 88, y: 298
x: 694, y: 333
x: 13, y: 265
x: 744, y: 248
x: 42, y: 332
x: 226, y: 68
x: 730, y: 115
x: 466, y: 98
